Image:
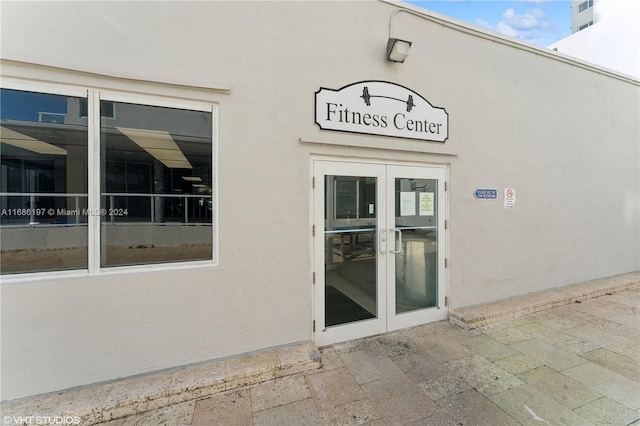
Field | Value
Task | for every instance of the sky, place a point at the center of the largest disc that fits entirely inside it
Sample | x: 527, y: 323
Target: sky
x: 540, y: 22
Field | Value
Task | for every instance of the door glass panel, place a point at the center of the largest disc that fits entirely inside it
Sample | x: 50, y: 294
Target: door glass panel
x: 416, y: 262
x: 350, y: 249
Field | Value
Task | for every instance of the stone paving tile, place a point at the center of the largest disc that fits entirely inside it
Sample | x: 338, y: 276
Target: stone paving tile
x: 366, y: 367
x: 292, y: 355
x: 553, y: 320
x: 608, y: 383
x: 471, y: 408
x: 453, y: 331
x: 86, y: 403
x: 353, y: 413
x: 22, y: 408
x: 418, y: 331
x: 251, y: 369
x: 623, y: 305
x: 578, y: 345
x: 623, y: 302
x: 605, y: 411
x: 596, y: 336
x: 442, y: 347
x: 444, y: 386
x: 137, y: 395
x: 547, y: 354
x: 174, y: 415
x: 634, y: 341
x: 229, y: 408
x: 632, y: 352
x: 530, y: 406
x: 197, y: 381
x: 517, y: 364
x: 484, y: 376
x: 441, y: 418
x: 563, y: 311
x: 488, y: 348
x: 629, y: 320
x: 394, y: 345
x: 330, y: 359
x: 566, y: 391
x: 279, y: 392
x: 421, y: 367
x: 628, y: 367
x: 543, y: 332
x: 333, y: 388
x: 617, y: 329
x: 596, y: 308
x: 399, y: 400
x: 348, y: 346
x: 516, y: 322
x: 140, y: 387
x: 298, y: 413
x: 507, y: 334
x: 607, y: 326
x: 373, y: 345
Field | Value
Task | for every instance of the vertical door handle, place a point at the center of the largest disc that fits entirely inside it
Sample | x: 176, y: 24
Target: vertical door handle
x: 381, y: 240
x: 397, y: 242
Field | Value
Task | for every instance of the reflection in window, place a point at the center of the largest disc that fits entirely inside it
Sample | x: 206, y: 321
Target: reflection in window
x: 156, y: 185
x: 352, y: 197
x: 43, y: 183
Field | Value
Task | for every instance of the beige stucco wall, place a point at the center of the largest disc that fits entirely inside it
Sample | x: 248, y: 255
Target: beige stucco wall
x: 564, y: 136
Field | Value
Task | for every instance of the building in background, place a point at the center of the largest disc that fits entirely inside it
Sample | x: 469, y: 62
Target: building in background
x: 582, y: 15
x: 605, y: 33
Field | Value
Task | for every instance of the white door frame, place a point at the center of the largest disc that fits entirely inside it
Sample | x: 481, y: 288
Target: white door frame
x: 324, y: 335
x: 386, y: 320
x: 439, y: 312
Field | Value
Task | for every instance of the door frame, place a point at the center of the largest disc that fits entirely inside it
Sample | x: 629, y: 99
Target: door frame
x: 381, y: 324
x: 431, y: 314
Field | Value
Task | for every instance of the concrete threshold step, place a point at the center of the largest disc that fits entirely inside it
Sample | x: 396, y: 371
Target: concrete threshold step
x: 109, y: 401
x: 490, y: 313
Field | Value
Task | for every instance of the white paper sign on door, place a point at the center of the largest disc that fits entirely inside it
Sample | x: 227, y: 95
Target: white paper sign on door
x: 426, y: 203
x: 407, y: 204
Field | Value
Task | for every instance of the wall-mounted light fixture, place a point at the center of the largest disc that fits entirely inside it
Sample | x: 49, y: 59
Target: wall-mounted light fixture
x: 397, y: 50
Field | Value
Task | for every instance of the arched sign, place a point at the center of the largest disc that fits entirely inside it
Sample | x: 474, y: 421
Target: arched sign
x: 380, y: 108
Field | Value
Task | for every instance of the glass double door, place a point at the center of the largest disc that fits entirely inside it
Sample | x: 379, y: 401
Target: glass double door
x: 378, y: 248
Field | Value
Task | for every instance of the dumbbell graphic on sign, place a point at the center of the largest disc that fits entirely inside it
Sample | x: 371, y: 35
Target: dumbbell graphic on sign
x: 366, y: 97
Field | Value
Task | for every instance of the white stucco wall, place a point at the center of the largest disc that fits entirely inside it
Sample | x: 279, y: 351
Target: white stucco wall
x: 565, y: 137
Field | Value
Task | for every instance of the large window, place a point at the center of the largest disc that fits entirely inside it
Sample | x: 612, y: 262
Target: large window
x: 155, y: 200
x: 43, y: 183
x: 156, y: 185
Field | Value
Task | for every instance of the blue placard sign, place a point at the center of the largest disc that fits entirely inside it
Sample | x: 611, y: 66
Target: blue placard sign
x: 486, y: 194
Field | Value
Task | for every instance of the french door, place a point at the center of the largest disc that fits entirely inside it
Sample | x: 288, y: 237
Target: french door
x: 379, y: 253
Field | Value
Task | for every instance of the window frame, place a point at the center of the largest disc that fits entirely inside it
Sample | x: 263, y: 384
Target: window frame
x: 585, y: 26
x: 94, y: 96
x: 588, y: 3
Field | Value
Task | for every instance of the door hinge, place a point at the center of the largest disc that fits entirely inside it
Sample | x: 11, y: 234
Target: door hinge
x: 445, y: 224
x: 314, y: 326
x: 313, y: 231
x: 445, y: 185
x: 446, y: 301
x: 313, y: 182
x: 446, y: 262
x: 314, y: 278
